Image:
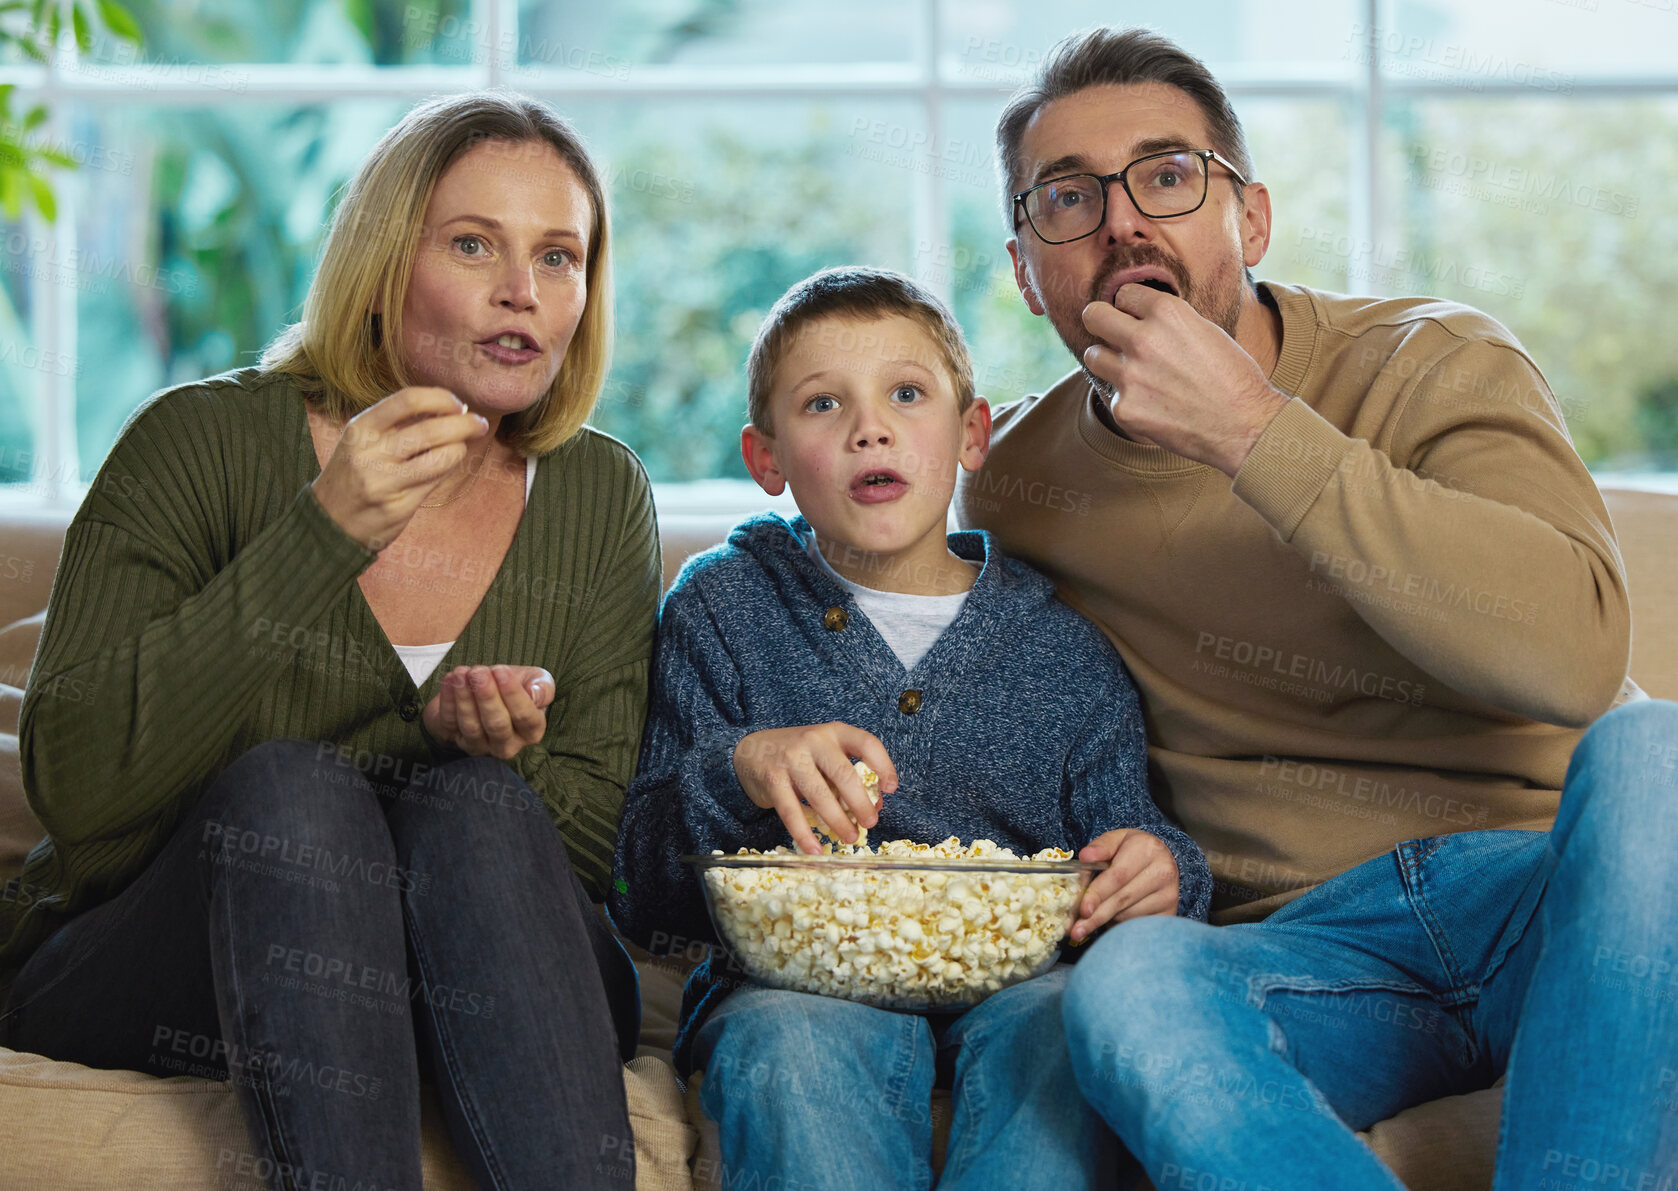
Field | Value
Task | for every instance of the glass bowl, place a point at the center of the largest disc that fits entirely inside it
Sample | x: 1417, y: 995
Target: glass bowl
x: 933, y: 935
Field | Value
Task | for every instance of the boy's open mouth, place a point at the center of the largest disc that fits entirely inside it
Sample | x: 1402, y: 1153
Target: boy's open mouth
x: 877, y: 484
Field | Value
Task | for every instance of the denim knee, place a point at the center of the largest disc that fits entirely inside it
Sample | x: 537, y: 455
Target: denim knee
x: 471, y: 806
x: 1624, y: 775
x: 280, y: 789
x: 1137, y: 979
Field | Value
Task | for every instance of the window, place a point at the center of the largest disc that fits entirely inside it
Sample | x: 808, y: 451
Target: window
x: 1507, y: 153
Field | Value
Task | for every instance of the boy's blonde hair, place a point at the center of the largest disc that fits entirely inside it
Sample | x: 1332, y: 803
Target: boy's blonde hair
x: 347, y: 354
x: 852, y: 291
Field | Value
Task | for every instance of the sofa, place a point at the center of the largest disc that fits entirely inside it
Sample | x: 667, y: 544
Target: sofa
x: 64, y: 1127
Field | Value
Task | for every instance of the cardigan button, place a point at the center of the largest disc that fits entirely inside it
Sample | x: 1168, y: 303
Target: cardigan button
x: 836, y: 618
x: 909, y: 702
x: 409, y: 710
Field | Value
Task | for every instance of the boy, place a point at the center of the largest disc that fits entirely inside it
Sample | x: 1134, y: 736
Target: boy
x: 989, y: 710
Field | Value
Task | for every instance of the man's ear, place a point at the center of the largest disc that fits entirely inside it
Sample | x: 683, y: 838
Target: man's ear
x: 758, y: 451
x: 1255, y: 223
x: 1022, y: 277
x: 975, y: 434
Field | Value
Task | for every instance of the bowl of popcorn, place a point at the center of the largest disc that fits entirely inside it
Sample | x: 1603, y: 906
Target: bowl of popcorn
x: 905, y: 925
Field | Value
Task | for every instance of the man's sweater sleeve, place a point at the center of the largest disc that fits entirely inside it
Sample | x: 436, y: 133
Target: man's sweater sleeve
x: 1106, y: 785
x: 171, y: 651
x: 1474, y: 503
x: 685, y: 797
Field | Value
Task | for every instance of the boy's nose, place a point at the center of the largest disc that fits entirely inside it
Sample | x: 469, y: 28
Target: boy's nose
x: 880, y: 438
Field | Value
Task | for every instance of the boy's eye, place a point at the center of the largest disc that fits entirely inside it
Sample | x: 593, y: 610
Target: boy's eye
x: 906, y: 394
x: 820, y: 404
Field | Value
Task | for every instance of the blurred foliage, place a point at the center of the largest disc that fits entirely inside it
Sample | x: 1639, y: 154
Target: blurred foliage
x: 697, y: 266
x: 31, y: 28
x: 224, y: 206
x: 1657, y: 421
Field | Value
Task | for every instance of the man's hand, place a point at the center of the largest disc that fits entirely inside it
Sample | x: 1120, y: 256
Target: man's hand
x: 783, y: 769
x: 1141, y: 879
x: 491, y: 710
x: 1180, y: 381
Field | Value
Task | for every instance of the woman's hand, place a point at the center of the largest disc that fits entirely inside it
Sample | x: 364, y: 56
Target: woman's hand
x: 1140, y: 879
x: 389, y: 457
x: 785, y: 769
x: 491, y: 711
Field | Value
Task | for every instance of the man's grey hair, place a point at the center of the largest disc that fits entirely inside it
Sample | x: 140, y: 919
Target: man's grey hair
x: 1104, y: 56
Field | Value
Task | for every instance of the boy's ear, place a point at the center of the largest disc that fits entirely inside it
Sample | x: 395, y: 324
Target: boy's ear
x: 975, y: 434
x: 758, y: 451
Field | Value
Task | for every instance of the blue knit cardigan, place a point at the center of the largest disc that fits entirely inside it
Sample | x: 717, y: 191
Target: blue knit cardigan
x: 1024, y: 726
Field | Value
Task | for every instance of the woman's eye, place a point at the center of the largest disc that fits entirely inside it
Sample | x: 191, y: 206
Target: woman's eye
x: 556, y: 258
x: 470, y: 245
x: 905, y: 394
x: 821, y: 404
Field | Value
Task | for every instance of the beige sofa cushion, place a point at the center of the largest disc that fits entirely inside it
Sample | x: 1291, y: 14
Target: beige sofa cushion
x: 70, y: 1128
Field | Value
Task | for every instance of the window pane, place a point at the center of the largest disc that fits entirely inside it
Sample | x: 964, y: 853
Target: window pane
x: 1552, y: 217
x: 196, y: 246
x: 717, y: 209
x: 1000, y: 42
x: 609, y: 38
x: 1300, y: 150
x: 1542, y: 46
x: 20, y: 361
x: 190, y: 40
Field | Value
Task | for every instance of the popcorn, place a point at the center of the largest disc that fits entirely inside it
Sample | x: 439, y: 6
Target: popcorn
x: 895, y: 938
x: 870, y: 785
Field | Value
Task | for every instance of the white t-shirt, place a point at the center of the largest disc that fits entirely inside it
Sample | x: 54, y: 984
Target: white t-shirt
x: 421, y: 660
x: 909, y: 623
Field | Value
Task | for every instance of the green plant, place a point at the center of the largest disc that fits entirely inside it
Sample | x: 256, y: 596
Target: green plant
x: 33, y: 27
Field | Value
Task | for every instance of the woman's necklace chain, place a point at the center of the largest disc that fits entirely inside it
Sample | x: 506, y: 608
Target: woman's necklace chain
x: 462, y: 491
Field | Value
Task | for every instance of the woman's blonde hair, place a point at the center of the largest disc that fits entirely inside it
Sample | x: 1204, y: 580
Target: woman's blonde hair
x: 344, y: 354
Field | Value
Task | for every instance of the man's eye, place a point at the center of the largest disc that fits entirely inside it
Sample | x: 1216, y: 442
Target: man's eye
x: 905, y: 394
x: 821, y: 404
x: 470, y: 245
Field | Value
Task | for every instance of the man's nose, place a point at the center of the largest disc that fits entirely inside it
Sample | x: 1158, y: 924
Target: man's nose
x: 1124, y: 221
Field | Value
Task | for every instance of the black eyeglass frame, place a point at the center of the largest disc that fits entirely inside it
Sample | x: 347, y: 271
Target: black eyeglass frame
x: 1105, y: 181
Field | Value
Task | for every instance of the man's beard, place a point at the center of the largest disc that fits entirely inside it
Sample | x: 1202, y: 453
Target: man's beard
x: 1217, y: 299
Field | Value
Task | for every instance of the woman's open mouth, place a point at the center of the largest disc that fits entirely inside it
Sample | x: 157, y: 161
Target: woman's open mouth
x: 878, y: 485
x: 510, y: 347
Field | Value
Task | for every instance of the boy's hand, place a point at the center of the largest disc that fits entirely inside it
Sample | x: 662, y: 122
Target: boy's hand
x: 783, y: 769
x: 1141, y: 879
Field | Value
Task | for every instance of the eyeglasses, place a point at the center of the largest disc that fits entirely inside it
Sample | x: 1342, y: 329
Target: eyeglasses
x: 1168, y: 184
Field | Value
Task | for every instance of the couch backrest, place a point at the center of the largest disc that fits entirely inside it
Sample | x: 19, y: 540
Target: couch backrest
x: 1646, y: 524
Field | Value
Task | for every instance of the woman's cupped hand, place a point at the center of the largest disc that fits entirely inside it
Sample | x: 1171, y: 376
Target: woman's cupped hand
x: 491, y: 711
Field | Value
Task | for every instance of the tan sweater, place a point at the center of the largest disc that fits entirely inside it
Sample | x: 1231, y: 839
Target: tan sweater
x: 1393, y: 624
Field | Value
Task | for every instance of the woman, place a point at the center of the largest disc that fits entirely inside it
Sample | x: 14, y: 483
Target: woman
x: 367, y: 629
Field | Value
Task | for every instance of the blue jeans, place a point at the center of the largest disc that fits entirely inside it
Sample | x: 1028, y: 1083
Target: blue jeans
x: 816, y: 1092
x: 322, y: 943
x: 1250, y: 1053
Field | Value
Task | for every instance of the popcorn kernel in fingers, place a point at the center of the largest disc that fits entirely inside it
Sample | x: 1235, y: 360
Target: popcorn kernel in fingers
x: 871, y: 785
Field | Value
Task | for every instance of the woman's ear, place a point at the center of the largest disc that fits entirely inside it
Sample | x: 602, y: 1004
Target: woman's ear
x: 758, y: 451
x: 975, y: 434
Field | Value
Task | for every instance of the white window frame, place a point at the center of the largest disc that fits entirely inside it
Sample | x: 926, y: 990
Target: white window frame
x: 56, y: 483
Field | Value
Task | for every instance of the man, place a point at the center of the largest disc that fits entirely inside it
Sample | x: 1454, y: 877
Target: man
x: 1370, y: 595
